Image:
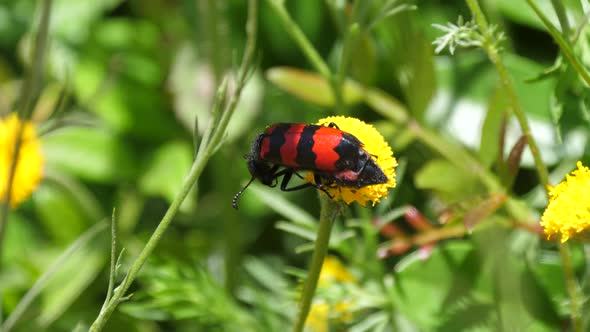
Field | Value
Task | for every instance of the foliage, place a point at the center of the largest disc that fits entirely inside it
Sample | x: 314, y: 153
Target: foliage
x: 140, y: 108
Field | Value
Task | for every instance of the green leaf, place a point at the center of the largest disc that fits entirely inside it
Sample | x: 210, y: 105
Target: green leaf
x: 120, y: 78
x: 411, y: 55
x: 427, y: 291
x: 306, y: 13
x: 482, y: 210
x: 447, y: 179
x: 93, y: 154
x: 84, y: 14
x: 166, y: 171
x: 312, y: 87
x: 297, y: 230
x: 266, y: 275
x: 489, y: 146
x: 470, y: 76
x: 20, y: 231
x: 520, y: 12
x: 459, y: 288
x: 363, y: 59
x: 549, y: 273
x: 282, y: 206
x: 191, y: 84
x: 69, y: 284
x: 60, y: 213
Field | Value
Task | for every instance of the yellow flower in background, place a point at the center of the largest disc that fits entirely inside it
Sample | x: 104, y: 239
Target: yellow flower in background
x: 568, y: 211
x: 333, y: 271
x: 29, y: 167
x: 377, y: 147
x: 318, y: 320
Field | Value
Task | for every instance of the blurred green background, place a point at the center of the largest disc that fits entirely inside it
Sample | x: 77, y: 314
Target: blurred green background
x: 127, y: 92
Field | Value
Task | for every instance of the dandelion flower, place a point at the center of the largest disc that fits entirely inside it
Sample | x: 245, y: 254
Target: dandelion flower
x: 29, y: 167
x: 568, y: 211
x: 377, y: 147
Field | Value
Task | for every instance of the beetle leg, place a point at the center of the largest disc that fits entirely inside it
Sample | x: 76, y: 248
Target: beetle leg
x: 320, y: 185
x: 288, y: 173
x: 287, y: 177
x: 275, y: 175
x: 333, y: 125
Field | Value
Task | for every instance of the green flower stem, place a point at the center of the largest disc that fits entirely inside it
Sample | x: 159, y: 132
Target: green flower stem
x: 312, y: 54
x: 562, y: 17
x: 572, y: 287
x: 149, y: 247
x: 29, y: 92
x: 563, y: 43
x: 489, y: 45
x: 330, y: 209
x: 293, y: 29
x: 392, y: 109
x: 454, y: 154
x: 209, y: 145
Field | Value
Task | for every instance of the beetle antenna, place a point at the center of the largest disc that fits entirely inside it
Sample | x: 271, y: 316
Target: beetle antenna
x: 234, y: 202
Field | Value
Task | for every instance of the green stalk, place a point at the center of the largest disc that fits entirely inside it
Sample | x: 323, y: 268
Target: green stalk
x: 330, y: 209
x: 489, y: 45
x: 563, y: 43
x: 149, y: 247
x: 312, y: 54
x: 299, y: 37
x: 562, y: 17
x: 390, y: 108
x: 457, y: 156
x: 572, y: 287
x: 205, y: 151
x: 30, y: 89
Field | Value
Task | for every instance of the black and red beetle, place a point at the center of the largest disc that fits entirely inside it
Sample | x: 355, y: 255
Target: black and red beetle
x: 335, y: 157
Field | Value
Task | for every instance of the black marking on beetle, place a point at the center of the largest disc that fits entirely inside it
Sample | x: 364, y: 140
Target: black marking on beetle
x: 348, y: 151
x: 276, y: 139
x: 305, y: 155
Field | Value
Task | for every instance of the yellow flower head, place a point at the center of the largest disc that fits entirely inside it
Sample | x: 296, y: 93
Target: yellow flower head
x: 322, y: 311
x: 334, y: 271
x: 381, y: 153
x: 29, y: 167
x: 568, y: 211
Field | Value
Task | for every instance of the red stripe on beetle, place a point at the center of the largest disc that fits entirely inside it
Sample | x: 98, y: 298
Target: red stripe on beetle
x: 325, y: 140
x: 264, y: 147
x: 265, y: 142
x: 289, y: 149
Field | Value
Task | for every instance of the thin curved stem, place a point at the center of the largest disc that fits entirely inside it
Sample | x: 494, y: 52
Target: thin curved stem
x: 335, y: 79
x: 495, y: 57
x: 563, y: 43
x: 304, y: 44
x: 562, y: 17
x: 27, y: 103
x: 329, y: 211
x: 489, y: 46
x: 206, y: 149
x: 572, y: 287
